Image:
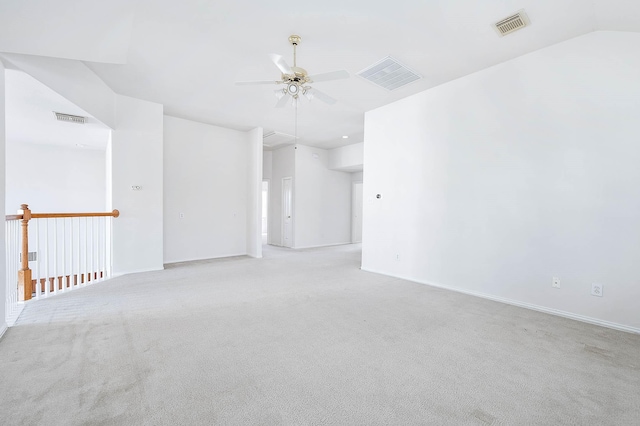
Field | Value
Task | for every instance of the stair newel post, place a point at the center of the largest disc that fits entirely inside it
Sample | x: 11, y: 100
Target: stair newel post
x: 24, y: 274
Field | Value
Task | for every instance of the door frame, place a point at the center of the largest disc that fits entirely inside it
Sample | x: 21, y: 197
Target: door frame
x: 353, y: 205
x: 268, y: 181
x: 283, y: 213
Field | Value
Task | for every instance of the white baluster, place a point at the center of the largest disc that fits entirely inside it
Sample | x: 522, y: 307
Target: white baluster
x: 86, y: 250
x: 78, y: 255
x: 47, y: 285
x: 38, y: 260
x: 55, y: 256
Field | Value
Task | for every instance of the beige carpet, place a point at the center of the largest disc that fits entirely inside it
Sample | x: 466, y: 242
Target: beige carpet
x: 305, y: 337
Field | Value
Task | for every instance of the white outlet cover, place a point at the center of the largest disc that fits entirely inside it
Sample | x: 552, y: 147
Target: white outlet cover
x: 597, y: 289
x: 555, y: 282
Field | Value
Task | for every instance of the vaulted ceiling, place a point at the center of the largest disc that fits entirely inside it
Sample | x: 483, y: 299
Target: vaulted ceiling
x: 187, y: 55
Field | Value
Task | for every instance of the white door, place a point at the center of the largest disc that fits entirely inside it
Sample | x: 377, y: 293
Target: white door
x: 356, y: 213
x: 287, y: 212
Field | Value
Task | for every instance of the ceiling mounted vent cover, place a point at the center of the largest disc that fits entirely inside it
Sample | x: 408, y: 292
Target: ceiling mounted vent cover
x: 389, y: 74
x: 512, y: 23
x: 70, y: 118
x: 271, y: 139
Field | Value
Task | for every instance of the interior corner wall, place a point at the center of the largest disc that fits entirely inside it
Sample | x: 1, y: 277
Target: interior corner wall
x: 136, y: 160
x: 205, y: 190
x: 322, y: 199
x: 283, y: 165
x: 496, y: 182
x: 254, y: 192
x: 3, y: 255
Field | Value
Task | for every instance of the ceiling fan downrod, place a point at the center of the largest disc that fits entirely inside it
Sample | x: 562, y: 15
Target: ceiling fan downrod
x: 294, y: 40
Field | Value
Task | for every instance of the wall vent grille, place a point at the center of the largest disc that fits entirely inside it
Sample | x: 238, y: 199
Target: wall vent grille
x: 33, y: 256
x: 273, y: 138
x: 69, y: 118
x: 512, y: 23
x: 389, y: 74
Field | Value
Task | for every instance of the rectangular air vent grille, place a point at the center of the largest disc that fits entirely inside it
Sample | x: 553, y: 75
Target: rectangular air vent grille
x: 69, y: 118
x: 389, y: 74
x: 33, y: 256
x: 512, y: 23
x: 271, y: 139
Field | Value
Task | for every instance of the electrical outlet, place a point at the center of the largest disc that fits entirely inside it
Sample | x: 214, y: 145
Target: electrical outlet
x: 556, y: 282
x: 397, y: 257
x: 181, y: 215
x: 596, y: 290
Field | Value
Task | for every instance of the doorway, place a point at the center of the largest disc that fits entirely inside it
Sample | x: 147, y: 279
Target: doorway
x: 356, y: 213
x: 287, y: 212
x: 265, y: 212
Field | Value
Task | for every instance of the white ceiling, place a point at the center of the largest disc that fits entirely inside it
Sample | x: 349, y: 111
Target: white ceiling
x: 188, y: 54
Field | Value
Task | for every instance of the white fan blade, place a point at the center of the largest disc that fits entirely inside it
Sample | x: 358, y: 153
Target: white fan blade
x: 334, y: 75
x: 322, y: 96
x: 283, y: 101
x: 247, y: 83
x: 281, y: 64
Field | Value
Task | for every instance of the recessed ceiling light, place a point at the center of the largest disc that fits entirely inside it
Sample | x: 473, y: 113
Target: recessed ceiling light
x: 80, y: 145
x: 345, y: 137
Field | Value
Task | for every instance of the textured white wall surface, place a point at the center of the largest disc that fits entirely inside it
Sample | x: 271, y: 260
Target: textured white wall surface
x: 322, y: 200
x: 136, y: 160
x: 205, y: 181
x: 59, y: 179
x: 495, y: 183
x: 3, y: 286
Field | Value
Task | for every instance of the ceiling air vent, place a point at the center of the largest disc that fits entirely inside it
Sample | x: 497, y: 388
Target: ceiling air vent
x: 70, y: 118
x: 271, y: 139
x: 389, y: 74
x: 512, y: 23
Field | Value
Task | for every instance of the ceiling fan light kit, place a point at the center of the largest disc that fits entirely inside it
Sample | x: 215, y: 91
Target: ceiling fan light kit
x: 296, y: 80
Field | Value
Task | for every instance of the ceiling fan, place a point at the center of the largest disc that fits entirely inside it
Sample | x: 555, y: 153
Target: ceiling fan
x: 296, y: 80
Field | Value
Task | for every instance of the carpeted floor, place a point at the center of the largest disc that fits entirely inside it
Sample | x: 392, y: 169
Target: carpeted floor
x: 306, y: 338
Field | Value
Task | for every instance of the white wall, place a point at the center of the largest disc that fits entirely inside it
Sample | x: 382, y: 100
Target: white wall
x: 322, y: 200
x: 54, y: 178
x: 283, y: 166
x: 357, y: 176
x: 136, y: 155
x: 347, y: 158
x: 499, y: 181
x: 206, y: 179
x: 3, y: 283
x: 267, y: 164
x: 254, y: 193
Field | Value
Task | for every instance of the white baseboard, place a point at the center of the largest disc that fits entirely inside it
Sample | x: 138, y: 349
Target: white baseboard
x: 3, y: 329
x: 544, y: 309
x: 321, y: 245
x: 204, y: 259
x: 139, y: 271
x: 11, y: 319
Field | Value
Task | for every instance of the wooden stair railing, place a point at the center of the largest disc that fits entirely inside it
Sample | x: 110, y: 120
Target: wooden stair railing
x: 25, y: 277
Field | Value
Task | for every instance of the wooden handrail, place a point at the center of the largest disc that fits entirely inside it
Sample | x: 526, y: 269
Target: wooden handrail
x: 114, y: 213
x: 24, y: 274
